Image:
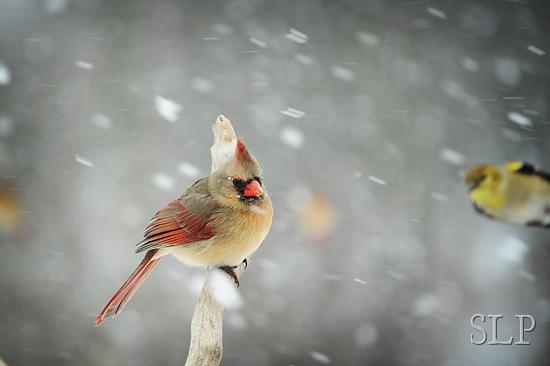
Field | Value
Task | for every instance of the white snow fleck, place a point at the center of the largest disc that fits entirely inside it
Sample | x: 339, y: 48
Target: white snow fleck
x: 469, y: 64
x: 320, y: 357
x: 6, y: 126
x: 438, y: 196
x: 297, y: 36
x: 425, y: 305
x: 508, y: 71
x: 189, y: 170
x: 452, y: 156
x: 303, y: 59
x: 223, y: 289
x: 366, y: 335
x: 342, y: 73
x: 84, y: 65
x: 360, y: 281
x: 223, y: 29
x: 436, y: 12
x: 164, y: 182
x: 368, y: 39
x: 101, y: 121
x: 520, y: 119
x: 513, y: 249
x: 536, y: 50
x: 377, y: 180
x: 5, y: 75
x: 202, y: 85
x: 83, y: 160
x: 292, y: 137
x: 167, y: 108
x: 357, y: 174
x: 453, y: 89
x: 258, y: 43
x: 55, y: 6
x: 210, y: 38
x: 294, y: 113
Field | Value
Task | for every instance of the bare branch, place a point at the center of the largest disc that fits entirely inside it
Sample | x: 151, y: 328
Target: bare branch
x: 207, y: 324
x: 207, y: 328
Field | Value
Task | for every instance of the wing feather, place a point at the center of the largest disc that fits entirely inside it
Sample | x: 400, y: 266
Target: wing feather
x: 178, y: 224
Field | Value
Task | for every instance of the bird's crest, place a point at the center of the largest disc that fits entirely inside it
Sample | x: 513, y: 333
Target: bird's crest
x: 242, y: 154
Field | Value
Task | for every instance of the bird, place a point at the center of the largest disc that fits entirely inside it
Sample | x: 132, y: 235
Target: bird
x: 218, y: 221
x: 516, y: 192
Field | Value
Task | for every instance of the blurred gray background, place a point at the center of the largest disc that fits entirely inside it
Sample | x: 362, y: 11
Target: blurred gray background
x: 364, y: 116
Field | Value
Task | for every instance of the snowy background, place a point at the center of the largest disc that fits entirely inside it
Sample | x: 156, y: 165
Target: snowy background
x: 364, y: 116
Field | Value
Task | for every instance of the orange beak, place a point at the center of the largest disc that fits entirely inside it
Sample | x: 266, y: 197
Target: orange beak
x: 253, y: 189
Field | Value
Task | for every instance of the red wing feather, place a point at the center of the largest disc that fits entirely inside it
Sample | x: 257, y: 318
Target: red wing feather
x: 175, y: 225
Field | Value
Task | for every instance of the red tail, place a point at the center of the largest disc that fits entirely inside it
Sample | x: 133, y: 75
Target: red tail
x: 115, y: 305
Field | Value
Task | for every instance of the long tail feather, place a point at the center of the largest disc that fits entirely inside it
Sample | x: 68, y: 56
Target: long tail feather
x: 116, y: 304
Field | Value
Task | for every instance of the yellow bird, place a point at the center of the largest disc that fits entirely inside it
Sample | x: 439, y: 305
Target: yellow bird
x: 515, y: 192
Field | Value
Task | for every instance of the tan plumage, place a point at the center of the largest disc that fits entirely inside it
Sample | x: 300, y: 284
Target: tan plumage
x: 516, y: 192
x: 217, y: 222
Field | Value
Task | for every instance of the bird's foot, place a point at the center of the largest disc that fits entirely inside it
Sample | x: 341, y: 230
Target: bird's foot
x: 230, y: 270
x: 245, y: 263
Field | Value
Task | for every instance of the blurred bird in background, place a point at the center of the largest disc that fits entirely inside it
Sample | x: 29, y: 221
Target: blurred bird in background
x: 217, y: 222
x: 516, y: 192
x: 11, y: 219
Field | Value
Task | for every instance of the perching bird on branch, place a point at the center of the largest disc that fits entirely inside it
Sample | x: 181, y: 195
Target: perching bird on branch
x: 217, y: 222
x: 516, y: 192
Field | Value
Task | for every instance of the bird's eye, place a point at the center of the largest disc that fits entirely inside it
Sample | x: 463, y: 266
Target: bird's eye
x: 239, y: 184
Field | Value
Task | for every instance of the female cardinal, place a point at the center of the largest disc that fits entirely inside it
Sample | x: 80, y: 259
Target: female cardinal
x: 217, y: 222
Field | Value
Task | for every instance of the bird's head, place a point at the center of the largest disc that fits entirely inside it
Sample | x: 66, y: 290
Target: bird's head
x: 483, y: 176
x: 239, y: 182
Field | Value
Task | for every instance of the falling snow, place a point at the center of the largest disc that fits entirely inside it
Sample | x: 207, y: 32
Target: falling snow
x: 167, y: 108
x: 297, y: 36
x: 303, y: 59
x: 342, y: 73
x: 436, y: 13
x: 258, y: 43
x: 520, y: 119
x: 294, y: 113
x: 201, y: 85
x: 320, y: 357
x: 377, y: 180
x: 365, y: 335
x: 189, y: 170
x: 84, y: 161
x: 513, y: 249
x: 164, y: 182
x: 5, y: 75
x: 452, y: 156
x: 368, y: 39
x: 364, y: 130
x: 292, y: 136
x: 224, y: 290
x: 85, y: 65
x: 536, y: 50
x: 101, y: 121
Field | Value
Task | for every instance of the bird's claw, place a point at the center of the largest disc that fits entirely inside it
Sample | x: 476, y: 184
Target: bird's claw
x: 230, y: 270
